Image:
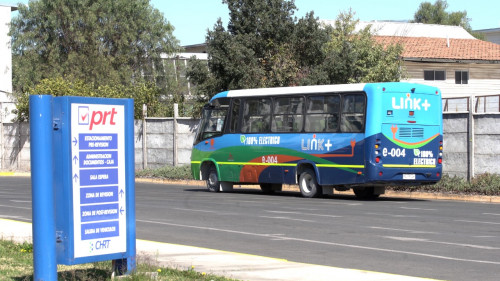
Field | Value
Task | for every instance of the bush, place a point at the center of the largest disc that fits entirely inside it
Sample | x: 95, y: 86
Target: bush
x: 484, y: 184
x: 168, y: 172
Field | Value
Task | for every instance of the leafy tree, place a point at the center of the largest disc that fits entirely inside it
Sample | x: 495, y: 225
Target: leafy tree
x: 354, y: 56
x: 251, y: 55
x: 98, y: 42
x: 436, y: 14
x: 264, y: 45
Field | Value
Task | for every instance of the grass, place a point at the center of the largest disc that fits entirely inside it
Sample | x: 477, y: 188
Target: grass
x: 167, y: 172
x: 16, y: 263
x: 484, y: 184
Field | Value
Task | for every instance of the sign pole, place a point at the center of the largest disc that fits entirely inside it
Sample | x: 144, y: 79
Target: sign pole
x: 42, y: 188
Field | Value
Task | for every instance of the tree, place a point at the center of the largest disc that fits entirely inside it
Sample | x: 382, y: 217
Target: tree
x: 98, y: 42
x: 354, y: 56
x: 264, y: 45
x: 436, y: 14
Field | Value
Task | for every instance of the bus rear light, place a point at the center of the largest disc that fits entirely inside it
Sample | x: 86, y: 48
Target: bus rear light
x: 438, y: 174
x: 412, y: 113
x: 377, y: 159
x: 383, y: 89
x: 380, y: 174
x: 376, y: 146
x: 441, y: 148
x: 440, y: 160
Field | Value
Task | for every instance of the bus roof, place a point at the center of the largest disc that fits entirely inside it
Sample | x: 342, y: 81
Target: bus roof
x: 319, y: 89
x: 291, y: 90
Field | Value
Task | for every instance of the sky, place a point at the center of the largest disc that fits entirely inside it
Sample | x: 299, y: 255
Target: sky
x: 192, y: 18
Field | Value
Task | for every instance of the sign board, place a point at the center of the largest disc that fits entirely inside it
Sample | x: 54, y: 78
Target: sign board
x: 94, y: 179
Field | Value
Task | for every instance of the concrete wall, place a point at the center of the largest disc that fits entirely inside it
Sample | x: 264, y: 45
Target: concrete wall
x: 159, y: 144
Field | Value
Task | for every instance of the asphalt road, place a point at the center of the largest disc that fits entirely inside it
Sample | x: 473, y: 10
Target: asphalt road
x: 433, y: 239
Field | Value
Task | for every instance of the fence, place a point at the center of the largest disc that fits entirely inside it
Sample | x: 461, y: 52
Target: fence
x: 471, y: 141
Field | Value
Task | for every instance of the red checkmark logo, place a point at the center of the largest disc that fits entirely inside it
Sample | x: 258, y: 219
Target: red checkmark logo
x: 84, y: 116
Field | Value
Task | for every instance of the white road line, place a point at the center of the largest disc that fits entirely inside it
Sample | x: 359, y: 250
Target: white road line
x: 16, y: 207
x: 483, y: 222
x: 285, y: 218
x: 304, y: 214
x: 403, y: 230
x: 20, y: 201
x: 409, y: 239
x: 394, y: 216
x: 421, y: 209
x: 324, y: 243
x: 194, y: 210
x: 491, y: 214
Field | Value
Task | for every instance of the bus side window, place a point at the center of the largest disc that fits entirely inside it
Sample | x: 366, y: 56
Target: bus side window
x: 322, y: 113
x: 287, y: 114
x: 235, y: 116
x: 353, y: 113
x: 256, y: 115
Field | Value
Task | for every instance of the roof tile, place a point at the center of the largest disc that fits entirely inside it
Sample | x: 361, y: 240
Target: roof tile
x: 437, y: 48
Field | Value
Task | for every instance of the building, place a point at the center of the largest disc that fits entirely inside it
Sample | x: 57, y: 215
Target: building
x: 6, y: 102
x: 490, y: 35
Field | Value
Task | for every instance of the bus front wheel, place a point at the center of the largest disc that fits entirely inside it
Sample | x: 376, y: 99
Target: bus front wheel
x: 308, y: 184
x: 213, y: 183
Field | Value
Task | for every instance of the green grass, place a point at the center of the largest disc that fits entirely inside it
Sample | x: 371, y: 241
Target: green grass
x: 484, y: 184
x: 16, y: 263
x: 167, y: 172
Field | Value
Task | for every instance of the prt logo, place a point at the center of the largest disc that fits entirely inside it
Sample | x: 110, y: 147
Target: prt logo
x: 101, y: 118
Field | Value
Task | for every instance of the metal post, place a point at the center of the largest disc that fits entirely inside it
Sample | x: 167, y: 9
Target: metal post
x: 42, y: 188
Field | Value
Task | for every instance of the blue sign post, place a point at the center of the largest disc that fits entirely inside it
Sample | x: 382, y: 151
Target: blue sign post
x: 93, y: 172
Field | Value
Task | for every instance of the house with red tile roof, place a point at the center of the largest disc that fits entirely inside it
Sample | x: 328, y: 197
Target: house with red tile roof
x: 447, y: 57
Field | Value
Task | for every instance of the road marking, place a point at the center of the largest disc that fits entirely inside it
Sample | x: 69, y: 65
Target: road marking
x: 409, y: 239
x: 323, y: 242
x: 394, y: 216
x: 484, y: 222
x: 304, y: 214
x: 16, y: 207
x: 491, y: 214
x: 403, y: 230
x: 286, y: 218
x: 20, y: 201
x: 421, y: 209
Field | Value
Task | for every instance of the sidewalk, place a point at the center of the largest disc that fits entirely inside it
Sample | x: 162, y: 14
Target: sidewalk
x: 229, y: 264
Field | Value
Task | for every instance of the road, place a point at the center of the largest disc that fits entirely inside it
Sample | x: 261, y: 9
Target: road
x: 434, y: 239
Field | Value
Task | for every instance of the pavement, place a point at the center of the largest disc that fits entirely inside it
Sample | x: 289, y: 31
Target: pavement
x: 229, y: 264
x: 244, y: 266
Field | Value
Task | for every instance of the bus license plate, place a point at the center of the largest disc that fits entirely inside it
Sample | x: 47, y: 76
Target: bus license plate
x: 408, y: 176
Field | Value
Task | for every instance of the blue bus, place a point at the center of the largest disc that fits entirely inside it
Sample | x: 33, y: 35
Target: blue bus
x: 324, y: 138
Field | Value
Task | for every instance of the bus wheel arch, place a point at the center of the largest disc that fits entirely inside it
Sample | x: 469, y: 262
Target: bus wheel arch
x: 210, y: 173
x: 308, y: 183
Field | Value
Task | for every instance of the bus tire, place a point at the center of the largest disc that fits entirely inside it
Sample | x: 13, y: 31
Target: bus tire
x: 270, y: 188
x: 365, y: 193
x: 308, y: 184
x: 213, y: 183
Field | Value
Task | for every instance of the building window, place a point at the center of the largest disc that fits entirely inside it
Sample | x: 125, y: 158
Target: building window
x: 434, y: 75
x: 461, y: 77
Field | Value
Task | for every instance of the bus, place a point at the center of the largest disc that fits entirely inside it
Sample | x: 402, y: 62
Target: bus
x: 362, y: 137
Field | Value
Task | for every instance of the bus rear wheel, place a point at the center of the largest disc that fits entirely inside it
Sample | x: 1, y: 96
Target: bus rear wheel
x: 213, y: 183
x: 365, y: 193
x: 308, y: 184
